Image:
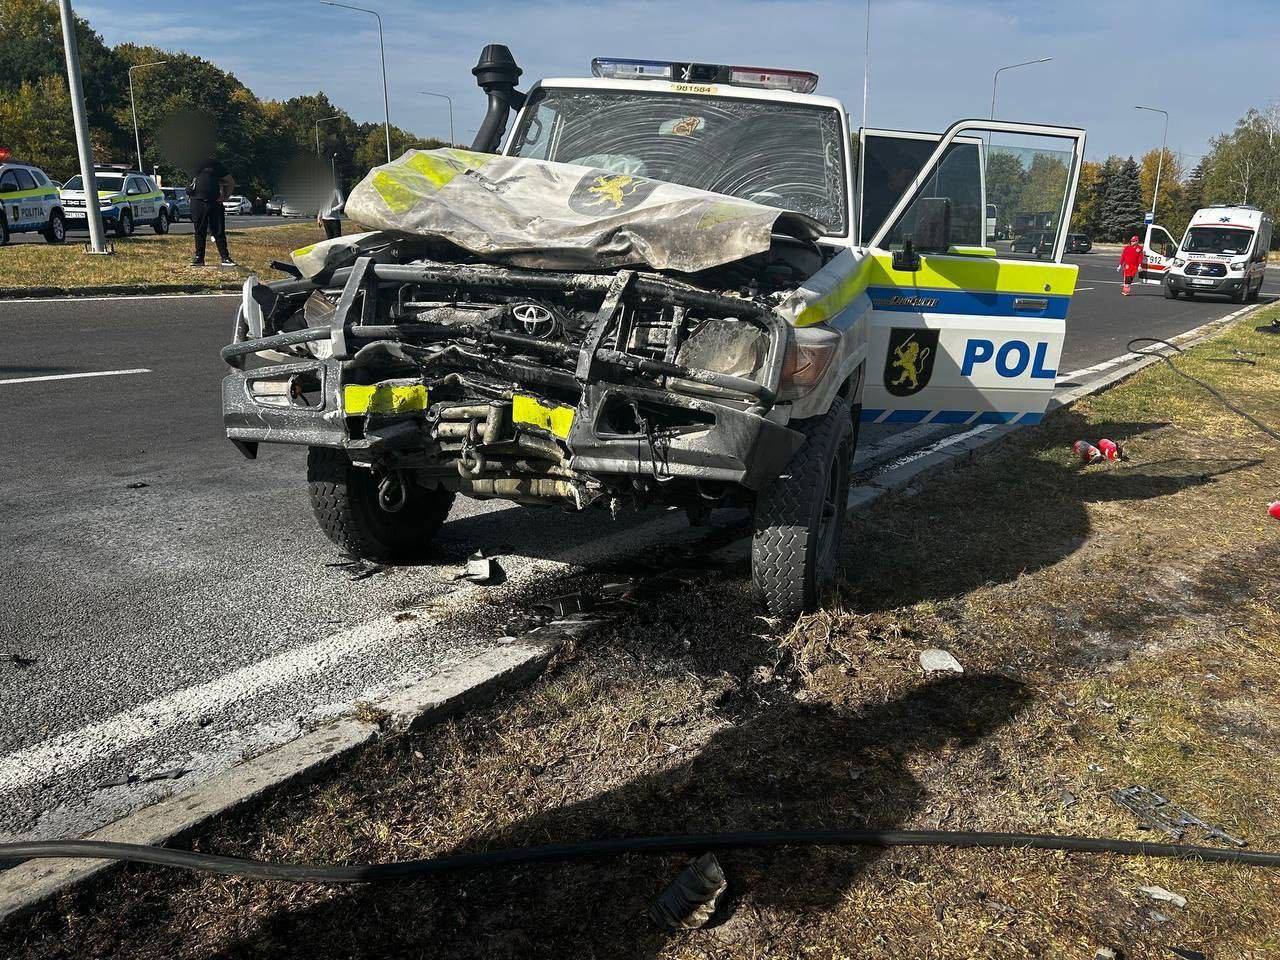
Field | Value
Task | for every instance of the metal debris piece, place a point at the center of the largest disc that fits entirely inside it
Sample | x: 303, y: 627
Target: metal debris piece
x: 1105, y: 953
x: 1164, y: 896
x: 482, y: 570
x: 1155, y: 812
x: 692, y: 897
x: 939, y: 661
x: 18, y: 660
x: 137, y: 485
x: 133, y: 778
x: 1186, y: 954
x: 561, y: 607
x: 1066, y: 798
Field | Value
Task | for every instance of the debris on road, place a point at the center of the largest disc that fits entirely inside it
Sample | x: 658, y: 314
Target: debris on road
x: 560, y: 607
x: 939, y: 661
x: 1105, y: 953
x: 357, y: 569
x: 692, y: 897
x: 1087, y: 452
x: 1164, y: 896
x: 1155, y: 812
x: 1186, y: 954
x: 483, y: 571
x: 18, y: 660
x: 1274, y: 509
x: 137, y: 485
x: 135, y: 778
x: 1111, y: 450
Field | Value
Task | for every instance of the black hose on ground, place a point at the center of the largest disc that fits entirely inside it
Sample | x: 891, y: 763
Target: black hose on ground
x: 1269, y: 431
x: 600, y: 849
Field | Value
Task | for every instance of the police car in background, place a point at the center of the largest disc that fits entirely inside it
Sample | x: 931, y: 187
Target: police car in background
x: 29, y: 202
x: 126, y: 198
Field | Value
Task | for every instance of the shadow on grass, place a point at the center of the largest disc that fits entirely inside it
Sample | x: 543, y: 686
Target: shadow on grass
x: 1022, y: 511
x: 789, y: 766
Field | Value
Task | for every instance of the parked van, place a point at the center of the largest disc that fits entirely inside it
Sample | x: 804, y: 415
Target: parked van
x: 1224, y: 251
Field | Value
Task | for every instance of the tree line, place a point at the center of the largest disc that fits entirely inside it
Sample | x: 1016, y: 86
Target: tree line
x: 1242, y: 166
x: 266, y: 144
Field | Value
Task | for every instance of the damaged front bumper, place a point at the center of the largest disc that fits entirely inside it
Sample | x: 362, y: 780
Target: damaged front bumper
x: 491, y: 412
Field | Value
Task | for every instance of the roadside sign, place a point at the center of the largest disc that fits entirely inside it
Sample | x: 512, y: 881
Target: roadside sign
x: 1148, y: 217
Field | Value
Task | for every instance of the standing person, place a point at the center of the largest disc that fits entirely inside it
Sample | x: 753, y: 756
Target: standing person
x: 1130, y: 263
x: 212, y: 184
x: 332, y: 212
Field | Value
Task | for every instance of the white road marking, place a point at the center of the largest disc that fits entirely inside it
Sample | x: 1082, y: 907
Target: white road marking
x: 61, y: 755
x: 1079, y: 289
x: 76, y: 376
x: 144, y: 296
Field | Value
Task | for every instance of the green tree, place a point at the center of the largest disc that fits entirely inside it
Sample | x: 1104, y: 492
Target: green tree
x: 1170, y: 173
x: 1006, y: 179
x: 1045, y: 188
x: 37, y: 126
x: 1122, y: 209
x: 1085, y: 213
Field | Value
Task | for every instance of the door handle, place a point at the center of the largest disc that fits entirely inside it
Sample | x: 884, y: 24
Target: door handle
x: 1030, y: 304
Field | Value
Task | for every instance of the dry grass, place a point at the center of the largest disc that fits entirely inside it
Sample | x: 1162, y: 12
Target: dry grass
x: 149, y: 261
x: 1119, y: 624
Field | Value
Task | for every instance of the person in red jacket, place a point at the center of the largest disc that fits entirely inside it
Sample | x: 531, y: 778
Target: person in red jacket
x: 1130, y: 263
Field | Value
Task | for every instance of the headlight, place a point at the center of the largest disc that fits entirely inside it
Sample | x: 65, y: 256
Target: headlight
x: 809, y: 354
x: 1239, y: 265
x: 734, y: 347
x: 105, y: 203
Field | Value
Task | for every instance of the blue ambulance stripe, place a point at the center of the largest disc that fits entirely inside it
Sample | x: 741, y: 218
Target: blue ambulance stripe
x: 969, y: 302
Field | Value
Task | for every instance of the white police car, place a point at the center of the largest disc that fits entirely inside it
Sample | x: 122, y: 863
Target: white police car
x: 29, y: 202
x: 126, y: 198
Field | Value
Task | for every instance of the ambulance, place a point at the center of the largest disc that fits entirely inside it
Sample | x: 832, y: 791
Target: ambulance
x: 1224, y: 252
x: 29, y: 202
x: 667, y: 284
x: 126, y: 199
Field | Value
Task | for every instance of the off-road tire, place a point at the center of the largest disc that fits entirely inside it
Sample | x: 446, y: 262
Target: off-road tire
x: 124, y: 226
x: 1170, y: 293
x: 56, y: 230
x: 161, y: 223
x: 344, y: 499
x: 791, y: 561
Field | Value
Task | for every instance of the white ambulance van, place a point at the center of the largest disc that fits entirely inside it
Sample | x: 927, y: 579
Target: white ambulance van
x: 1224, y: 251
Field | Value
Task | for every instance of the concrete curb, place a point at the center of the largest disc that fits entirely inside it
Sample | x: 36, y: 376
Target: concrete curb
x: 118, y: 290
x: 459, y: 688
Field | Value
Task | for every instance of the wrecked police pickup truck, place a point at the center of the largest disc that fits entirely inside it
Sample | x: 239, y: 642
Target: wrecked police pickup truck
x: 660, y: 291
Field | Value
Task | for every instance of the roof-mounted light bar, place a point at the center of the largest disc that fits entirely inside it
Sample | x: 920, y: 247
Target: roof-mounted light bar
x: 765, y: 78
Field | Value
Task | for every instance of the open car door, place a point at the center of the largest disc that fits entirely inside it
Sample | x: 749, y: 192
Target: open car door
x: 1158, y: 248
x: 966, y: 328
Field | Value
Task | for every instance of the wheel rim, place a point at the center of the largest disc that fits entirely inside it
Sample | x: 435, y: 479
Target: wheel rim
x: 59, y: 229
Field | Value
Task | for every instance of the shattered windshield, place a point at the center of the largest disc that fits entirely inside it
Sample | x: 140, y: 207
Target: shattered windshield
x: 1222, y: 240
x: 784, y: 155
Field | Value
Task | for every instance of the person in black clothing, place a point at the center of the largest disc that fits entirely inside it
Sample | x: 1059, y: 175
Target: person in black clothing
x: 212, y: 185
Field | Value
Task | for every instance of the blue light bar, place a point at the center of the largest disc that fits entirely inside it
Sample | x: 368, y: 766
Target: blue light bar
x: 617, y: 68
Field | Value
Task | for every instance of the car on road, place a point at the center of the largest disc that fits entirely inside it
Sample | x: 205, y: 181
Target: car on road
x: 1079, y: 243
x: 290, y: 209
x: 596, y: 317
x: 1036, y: 244
x: 1224, y: 251
x: 236, y: 204
x: 275, y: 206
x: 29, y: 203
x: 179, y: 202
x: 126, y: 199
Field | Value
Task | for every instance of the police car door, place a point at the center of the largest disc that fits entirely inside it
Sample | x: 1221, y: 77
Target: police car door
x: 140, y: 203
x: 1158, y: 249
x: 964, y: 328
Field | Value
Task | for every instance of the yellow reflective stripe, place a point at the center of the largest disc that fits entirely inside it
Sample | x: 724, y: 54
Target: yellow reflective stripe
x: 552, y: 417
x: 395, y: 193
x: 303, y: 251
x: 404, y: 182
x: 977, y: 274
x: 383, y: 398
x: 824, y: 308
x: 41, y: 193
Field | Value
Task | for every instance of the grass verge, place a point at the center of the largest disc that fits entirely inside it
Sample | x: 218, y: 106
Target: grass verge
x: 147, y: 261
x: 1118, y: 623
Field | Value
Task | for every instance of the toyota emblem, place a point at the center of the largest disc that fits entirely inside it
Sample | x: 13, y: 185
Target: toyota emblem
x: 537, y: 320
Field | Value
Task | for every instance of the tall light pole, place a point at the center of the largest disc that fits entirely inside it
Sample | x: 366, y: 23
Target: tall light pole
x: 866, y: 64
x: 133, y: 107
x: 97, y: 240
x: 386, y: 104
x: 996, y: 76
x: 1160, y: 165
x: 443, y: 96
x: 336, y: 116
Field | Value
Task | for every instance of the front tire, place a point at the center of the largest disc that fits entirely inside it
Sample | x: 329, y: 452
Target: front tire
x: 1255, y: 293
x: 1170, y: 293
x: 124, y: 226
x: 4, y: 231
x: 161, y: 223
x: 1241, y: 295
x: 56, y: 231
x: 800, y: 515
x: 345, y: 501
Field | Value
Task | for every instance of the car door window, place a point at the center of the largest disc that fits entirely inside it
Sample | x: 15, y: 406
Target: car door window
x: 24, y: 180
x: 8, y: 182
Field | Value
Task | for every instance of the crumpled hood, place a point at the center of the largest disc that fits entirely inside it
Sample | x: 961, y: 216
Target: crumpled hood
x: 534, y: 213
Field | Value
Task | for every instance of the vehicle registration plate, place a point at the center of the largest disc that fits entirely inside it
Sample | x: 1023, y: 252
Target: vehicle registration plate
x: 1203, y: 283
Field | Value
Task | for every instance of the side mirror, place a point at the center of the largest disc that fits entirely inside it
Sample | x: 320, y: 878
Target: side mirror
x: 906, y: 259
x: 933, y: 224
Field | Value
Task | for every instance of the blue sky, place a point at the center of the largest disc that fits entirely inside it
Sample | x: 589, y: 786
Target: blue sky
x: 931, y: 60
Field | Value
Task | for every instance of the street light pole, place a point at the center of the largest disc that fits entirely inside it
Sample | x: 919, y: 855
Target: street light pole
x: 133, y: 107
x: 382, y: 50
x: 866, y: 64
x: 996, y: 76
x: 1160, y: 164
x: 443, y: 96
x: 320, y: 121
x: 97, y: 242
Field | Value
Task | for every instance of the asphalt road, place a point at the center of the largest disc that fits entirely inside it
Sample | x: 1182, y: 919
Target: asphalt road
x: 172, y: 605
x: 238, y: 222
